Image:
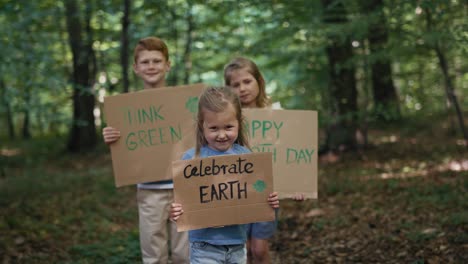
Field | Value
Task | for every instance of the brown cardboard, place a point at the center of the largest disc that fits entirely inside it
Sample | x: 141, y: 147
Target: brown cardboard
x: 292, y: 137
x: 156, y: 127
x: 282, y: 132
x: 247, y: 182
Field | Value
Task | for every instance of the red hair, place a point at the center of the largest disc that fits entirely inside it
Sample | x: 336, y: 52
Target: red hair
x: 151, y: 43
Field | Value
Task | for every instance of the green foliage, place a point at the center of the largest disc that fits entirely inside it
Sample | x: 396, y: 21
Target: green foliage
x: 64, y: 204
x: 62, y: 208
x: 420, y: 237
x: 457, y: 219
x: 287, y: 39
x: 460, y: 238
x: 118, y: 249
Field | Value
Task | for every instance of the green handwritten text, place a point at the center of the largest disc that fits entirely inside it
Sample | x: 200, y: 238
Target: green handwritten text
x: 153, y: 137
x: 138, y: 116
x: 299, y: 155
x: 260, y: 128
x: 266, y: 147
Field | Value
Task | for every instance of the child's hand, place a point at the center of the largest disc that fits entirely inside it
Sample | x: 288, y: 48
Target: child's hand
x: 299, y: 197
x: 273, y: 200
x: 176, y: 211
x: 110, y: 135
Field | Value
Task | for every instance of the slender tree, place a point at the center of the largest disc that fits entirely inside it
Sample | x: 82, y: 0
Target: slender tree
x: 188, y: 44
x: 83, y: 130
x: 124, y: 53
x: 342, y: 84
x: 386, y: 101
x: 8, y: 112
x: 449, y: 88
x: 173, y: 78
x: 26, y: 132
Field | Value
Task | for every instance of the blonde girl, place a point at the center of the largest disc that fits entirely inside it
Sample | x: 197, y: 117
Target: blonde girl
x: 219, y: 132
x: 244, y: 77
x: 246, y: 80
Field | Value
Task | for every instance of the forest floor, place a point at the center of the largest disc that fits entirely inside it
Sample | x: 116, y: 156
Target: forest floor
x: 402, y: 200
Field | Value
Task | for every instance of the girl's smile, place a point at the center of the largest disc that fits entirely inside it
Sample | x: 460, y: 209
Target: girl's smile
x: 220, y: 129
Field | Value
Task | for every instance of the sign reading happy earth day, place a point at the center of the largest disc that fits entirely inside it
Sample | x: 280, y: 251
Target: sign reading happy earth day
x: 292, y: 137
x: 223, y: 190
x: 156, y: 127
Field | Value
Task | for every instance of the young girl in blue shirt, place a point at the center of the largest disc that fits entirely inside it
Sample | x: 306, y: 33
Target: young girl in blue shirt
x: 246, y: 80
x: 220, y: 131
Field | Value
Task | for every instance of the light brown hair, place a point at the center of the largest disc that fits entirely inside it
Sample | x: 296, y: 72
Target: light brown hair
x: 151, y: 43
x: 238, y: 63
x: 217, y: 99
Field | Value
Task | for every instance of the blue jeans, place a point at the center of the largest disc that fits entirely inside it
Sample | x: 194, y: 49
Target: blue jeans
x: 204, y: 253
x: 261, y: 230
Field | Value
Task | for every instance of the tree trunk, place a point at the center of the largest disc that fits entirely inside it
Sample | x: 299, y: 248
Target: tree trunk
x: 449, y: 88
x: 125, y: 45
x: 83, y: 130
x: 8, y: 112
x: 386, y: 103
x: 27, y: 119
x: 173, y: 75
x: 342, y: 134
x: 363, y: 119
x: 188, y: 45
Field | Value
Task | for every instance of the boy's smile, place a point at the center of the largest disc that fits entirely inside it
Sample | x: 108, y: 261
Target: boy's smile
x: 152, y: 67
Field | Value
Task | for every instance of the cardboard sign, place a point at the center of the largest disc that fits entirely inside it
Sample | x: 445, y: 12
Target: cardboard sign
x: 156, y: 127
x: 292, y: 137
x: 223, y: 190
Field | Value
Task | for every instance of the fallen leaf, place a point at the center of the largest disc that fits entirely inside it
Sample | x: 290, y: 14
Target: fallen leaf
x: 315, y: 212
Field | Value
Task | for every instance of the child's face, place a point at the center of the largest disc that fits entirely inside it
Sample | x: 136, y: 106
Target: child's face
x: 246, y: 86
x: 220, y: 129
x: 151, y: 66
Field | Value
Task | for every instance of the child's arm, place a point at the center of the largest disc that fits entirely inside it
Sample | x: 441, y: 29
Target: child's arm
x: 110, y: 135
x: 273, y: 200
x: 176, y: 211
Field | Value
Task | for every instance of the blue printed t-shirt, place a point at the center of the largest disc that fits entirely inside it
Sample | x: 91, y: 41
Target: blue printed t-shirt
x: 226, y: 235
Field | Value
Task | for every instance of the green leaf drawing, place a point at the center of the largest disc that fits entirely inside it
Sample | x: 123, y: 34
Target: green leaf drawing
x: 259, y: 186
x: 192, y: 105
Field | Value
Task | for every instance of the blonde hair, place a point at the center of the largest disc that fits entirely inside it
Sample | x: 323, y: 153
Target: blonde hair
x: 238, y: 63
x: 217, y: 99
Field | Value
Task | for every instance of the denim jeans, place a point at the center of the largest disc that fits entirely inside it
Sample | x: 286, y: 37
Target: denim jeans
x: 204, y: 253
x: 261, y: 230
